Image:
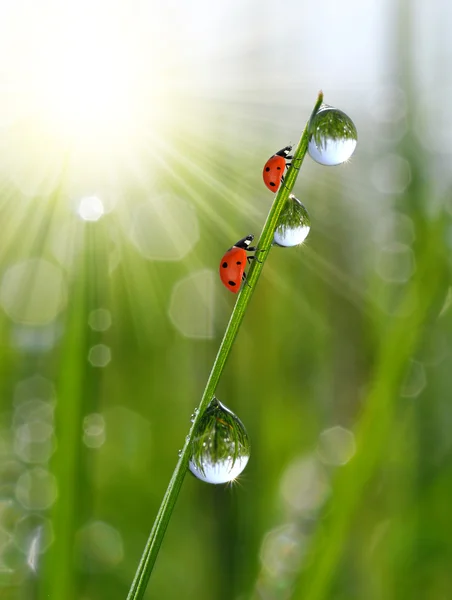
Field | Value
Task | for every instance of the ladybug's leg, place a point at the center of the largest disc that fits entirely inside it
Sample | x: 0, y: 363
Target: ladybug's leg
x: 245, y: 280
x: 299, y: 159
x: 289, y: 162
x: 250, y: 258
x: 254, y: 257
x: 292, y: 159
x: 288, y: 159
x: 282, y: 181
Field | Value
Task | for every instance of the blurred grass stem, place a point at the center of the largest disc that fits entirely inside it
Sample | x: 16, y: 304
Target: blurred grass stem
x: 154, y: 542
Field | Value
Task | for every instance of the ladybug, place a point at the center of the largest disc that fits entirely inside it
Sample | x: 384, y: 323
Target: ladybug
x: 233, y: 263
x: 274, y: 168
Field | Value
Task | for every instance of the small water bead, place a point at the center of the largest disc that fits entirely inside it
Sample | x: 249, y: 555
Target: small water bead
x: 100, y: 546
x: 336, y: 446
x: 33, y: 534
x: 99, y: 355
x: 99, y: 319
x: 415, y: 380
x: 332, y: 136
x: 90, y: 208
x: 294, y: 224
x: 220, y: 448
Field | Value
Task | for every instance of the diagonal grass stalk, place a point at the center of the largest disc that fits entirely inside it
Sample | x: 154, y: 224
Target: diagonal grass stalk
x: 154, y: 542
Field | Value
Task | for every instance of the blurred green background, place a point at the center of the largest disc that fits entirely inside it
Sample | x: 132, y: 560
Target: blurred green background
x: 132, y: 140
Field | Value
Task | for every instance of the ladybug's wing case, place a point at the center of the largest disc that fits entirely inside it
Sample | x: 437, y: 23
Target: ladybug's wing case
x: 273, y: 171
x: 232, y: 267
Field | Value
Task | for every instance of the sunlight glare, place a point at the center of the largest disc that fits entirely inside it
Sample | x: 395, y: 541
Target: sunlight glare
x: 78, y: 78
x: 89, y: 88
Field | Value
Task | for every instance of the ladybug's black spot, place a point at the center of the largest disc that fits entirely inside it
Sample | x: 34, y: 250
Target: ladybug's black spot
x: 232, y: 283
x: 272, y: 184
x: 224, y: 265
x: 239, y: 262
x: 267, y: 169
x: 278, y: 168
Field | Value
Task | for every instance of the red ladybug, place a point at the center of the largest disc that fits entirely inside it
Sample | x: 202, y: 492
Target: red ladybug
x: 233, y: 263
x: 274, y: 168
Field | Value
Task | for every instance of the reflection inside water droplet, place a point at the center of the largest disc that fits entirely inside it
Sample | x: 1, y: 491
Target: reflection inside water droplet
x: 332, y: 136
x: 294, y: 224
x: 220, y: 447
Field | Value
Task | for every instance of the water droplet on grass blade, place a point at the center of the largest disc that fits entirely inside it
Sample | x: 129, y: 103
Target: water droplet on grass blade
x: 294, y: 224
x: 332, y: 136
x: 220, y: 448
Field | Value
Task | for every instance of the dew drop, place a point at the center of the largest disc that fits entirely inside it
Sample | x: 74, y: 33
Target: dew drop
x: 220, y: 448
x: 179, y: 453
x: 294, y: 224
x: 332, y: 136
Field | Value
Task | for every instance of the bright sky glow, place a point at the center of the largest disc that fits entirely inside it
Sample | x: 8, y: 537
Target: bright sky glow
x: 94, y: 86
x: 77, y: 77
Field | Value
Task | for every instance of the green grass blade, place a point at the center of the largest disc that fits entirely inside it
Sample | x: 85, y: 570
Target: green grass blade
x: 154, y: 542
x: 60, y: 577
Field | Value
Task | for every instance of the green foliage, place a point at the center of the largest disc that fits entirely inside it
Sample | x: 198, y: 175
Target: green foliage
x: 351, y: 330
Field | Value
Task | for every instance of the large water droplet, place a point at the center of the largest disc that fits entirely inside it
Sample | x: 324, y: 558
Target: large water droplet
x: 294, y: 224
x: 220, y: 447
x: 332, y: 136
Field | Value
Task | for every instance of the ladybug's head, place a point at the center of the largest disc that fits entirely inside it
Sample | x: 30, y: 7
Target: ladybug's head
x: 284, y: 152
x: 245, y: 242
